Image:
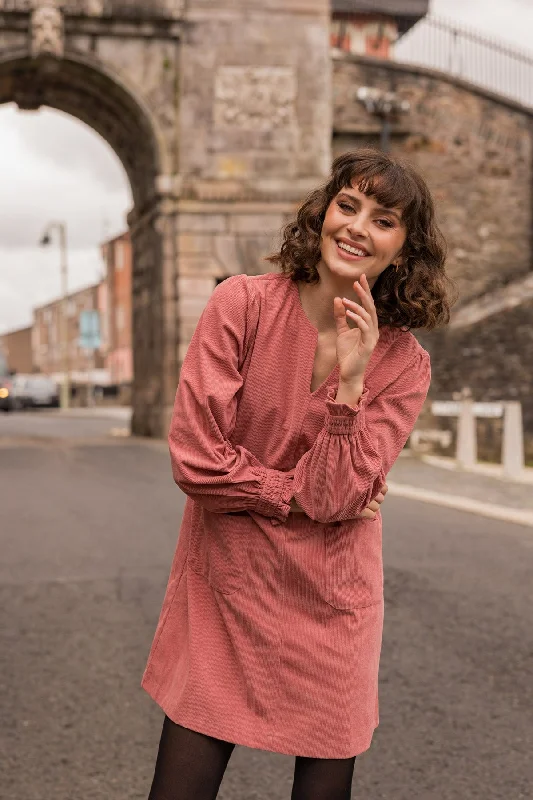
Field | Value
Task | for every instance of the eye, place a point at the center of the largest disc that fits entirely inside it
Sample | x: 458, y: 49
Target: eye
x: 386, y: 222
x: 345, y: 206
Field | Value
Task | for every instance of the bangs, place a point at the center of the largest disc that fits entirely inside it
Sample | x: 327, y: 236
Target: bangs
x: 386, y: 182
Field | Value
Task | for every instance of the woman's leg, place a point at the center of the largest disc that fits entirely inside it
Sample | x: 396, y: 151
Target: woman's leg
x: 190, y: 765
x: 323, y: 778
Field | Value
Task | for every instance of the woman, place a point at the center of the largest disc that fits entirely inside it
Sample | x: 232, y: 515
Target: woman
x: 298, y: 392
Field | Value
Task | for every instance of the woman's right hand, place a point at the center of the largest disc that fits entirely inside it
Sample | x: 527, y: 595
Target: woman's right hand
x: 368, y: 513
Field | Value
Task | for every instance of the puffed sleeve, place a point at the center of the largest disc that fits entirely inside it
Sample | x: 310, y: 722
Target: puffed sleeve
x: 346, y: 467
x: 205, y: 465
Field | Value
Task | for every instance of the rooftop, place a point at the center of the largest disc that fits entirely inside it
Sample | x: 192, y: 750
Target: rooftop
x: 406, y: 12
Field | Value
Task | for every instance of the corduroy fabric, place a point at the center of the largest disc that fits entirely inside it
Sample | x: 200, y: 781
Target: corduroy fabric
x: 271, y: 625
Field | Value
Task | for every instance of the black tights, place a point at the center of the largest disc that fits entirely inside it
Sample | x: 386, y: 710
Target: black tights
x: 190, y: 766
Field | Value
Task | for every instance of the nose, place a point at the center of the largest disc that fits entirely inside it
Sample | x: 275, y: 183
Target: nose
x: 358, y: 226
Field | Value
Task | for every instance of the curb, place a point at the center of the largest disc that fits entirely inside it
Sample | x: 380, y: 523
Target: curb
x: 516, y: 515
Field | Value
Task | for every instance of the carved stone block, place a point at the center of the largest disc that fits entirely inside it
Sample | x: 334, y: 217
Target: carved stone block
x: 47, y: 31
x: 260, y: 99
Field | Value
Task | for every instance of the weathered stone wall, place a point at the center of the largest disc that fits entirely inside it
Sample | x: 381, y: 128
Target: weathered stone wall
x: 255, y: 136
x: 474, y: 149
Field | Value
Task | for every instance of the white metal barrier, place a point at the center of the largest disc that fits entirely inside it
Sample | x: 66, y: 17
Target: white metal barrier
x: 466, y: 410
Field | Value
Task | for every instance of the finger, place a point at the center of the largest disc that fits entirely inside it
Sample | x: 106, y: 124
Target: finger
x: 363, y: 288
x: 364, y: 327
x: 380, y: 498
x: 358, y: 308
x: 367, y: 514
x: 339, y: 312
x: 373, y: 505
x: 384, y: 489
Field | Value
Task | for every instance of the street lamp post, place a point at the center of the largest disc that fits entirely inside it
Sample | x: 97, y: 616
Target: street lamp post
x: 45, y: 240
x: 386, y: 106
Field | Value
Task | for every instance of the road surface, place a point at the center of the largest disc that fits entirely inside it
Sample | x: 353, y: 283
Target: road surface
x: 89, y: 526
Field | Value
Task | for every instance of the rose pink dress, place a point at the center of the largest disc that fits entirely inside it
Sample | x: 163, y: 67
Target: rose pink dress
x: 271, y: 626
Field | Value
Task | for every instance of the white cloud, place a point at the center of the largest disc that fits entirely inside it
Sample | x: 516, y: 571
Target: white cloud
x: 53, y: 167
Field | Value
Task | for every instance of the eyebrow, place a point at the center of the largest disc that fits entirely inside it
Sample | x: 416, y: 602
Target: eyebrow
x: 381, y: 209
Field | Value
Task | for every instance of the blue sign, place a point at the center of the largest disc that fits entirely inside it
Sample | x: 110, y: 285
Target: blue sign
x: 89, y: 330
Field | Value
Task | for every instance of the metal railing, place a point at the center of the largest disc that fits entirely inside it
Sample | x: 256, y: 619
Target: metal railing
x: 482, y: 60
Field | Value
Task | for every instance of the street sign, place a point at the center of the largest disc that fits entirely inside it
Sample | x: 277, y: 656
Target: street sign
x: 89, y: 326
x: 444, y: 408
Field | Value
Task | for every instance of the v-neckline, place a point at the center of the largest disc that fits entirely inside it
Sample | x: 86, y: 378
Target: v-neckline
x: 312, y: 333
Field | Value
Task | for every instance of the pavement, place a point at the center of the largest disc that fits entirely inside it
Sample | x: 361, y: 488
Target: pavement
x: 483, y: 490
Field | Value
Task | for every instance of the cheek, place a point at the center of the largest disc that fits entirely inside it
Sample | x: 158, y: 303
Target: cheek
x: 392, y: 244
x: 331, y: 222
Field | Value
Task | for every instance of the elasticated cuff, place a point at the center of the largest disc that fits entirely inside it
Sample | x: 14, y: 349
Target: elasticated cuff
x: 343, y: 418
x: 276, y: 495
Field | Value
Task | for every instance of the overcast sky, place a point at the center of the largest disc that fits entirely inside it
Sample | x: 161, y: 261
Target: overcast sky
x: 54, y: 167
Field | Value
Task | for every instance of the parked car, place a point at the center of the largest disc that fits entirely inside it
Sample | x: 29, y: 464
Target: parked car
x: 31, y: 391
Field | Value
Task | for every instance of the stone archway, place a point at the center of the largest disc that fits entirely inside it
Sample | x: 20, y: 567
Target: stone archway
x: 85, y: 89
x: 220, y: 111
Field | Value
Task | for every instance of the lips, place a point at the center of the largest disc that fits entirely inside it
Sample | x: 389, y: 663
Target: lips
x: 351, y: 249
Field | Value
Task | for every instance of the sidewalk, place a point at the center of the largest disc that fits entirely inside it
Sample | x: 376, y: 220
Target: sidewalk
x: 122, y: 413
x: 481, y: 491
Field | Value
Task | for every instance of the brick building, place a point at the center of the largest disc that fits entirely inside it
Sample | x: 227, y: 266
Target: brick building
x: 115, y: 309
x: 16, y: 349
x: 84, y: 366
x: 371, y: 27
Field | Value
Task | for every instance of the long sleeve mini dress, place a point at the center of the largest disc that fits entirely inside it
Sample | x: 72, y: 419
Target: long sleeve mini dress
x: 271, y: 625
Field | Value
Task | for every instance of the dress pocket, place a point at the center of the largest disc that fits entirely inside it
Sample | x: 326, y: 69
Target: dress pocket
x: 354, y: 564
x: 217, y: 548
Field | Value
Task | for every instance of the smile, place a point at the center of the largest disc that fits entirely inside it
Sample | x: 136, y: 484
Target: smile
x: 351, y: 251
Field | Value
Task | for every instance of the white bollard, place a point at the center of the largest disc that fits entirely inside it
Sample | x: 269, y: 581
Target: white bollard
x: 466, y: 436
x: 513, y: 441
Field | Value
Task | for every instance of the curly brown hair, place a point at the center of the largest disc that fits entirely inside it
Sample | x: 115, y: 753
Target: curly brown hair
x: 417, y: 295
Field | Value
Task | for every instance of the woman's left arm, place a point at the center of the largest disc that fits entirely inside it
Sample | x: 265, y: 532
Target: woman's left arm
x: 347, y: 466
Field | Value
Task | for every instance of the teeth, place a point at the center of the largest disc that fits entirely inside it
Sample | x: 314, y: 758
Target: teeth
x: 354, y: 250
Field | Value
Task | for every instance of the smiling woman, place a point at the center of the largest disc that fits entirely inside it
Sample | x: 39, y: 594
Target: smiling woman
x: 296, y: 396
x: 375, y: 216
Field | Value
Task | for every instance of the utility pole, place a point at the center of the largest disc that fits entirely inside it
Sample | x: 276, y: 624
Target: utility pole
x: 64, y: 338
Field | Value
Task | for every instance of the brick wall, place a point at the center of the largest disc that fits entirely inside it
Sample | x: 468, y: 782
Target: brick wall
x: 16, y: 348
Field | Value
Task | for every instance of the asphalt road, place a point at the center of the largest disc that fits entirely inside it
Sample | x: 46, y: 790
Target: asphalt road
x: 88, y: 529
x: 33, y: 426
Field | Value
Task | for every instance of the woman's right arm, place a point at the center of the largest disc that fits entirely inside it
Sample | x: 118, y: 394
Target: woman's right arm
x: 205, y: 464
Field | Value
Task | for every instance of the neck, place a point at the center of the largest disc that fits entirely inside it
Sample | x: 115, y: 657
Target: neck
x: 317, y: 300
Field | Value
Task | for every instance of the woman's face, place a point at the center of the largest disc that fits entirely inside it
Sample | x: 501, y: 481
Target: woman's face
x: 359, y: 236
